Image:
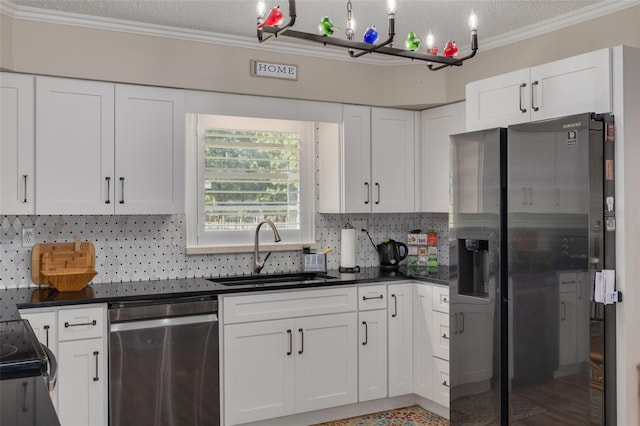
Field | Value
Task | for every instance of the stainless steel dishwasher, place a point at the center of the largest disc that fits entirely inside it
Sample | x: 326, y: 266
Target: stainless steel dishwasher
x: 163, y: 363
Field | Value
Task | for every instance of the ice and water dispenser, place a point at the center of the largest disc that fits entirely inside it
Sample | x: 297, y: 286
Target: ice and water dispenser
x: 473, y: 264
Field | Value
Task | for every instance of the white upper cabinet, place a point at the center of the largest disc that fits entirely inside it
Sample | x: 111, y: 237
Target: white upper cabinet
x: 74, y: 155
x: 569, y: 86
x: 392, y: 160
x: 105, y: 148
x: 17, y: 164
x: 149, y: 162
x: 437, y: 124
x: 374, y: 162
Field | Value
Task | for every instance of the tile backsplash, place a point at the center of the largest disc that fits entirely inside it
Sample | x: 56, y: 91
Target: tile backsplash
x: 141, y: 248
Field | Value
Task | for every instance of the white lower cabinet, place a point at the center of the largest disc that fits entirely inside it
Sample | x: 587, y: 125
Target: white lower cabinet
x: 279, y: 367
x: 258, y: 370
x: 77, y: 338
x: 422, y: 341
x: 372, y: 359
x: 400, y: 325
x: 82, y: 386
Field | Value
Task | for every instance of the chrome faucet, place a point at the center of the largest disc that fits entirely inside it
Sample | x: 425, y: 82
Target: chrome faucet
x: 257, y: 265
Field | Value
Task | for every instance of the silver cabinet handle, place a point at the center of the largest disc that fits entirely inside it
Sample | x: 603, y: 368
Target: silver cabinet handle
x: 378, y: 185
x: 530, y: 192
x: 96, y: 378
x: 564, y: 311
x: 372, y: 297
x: 290, y: 342
x: 24, y: 178
x: 461, y: 322
x: 368, y: 192
x: 108, y: 200
x: 67, y: 325
x: 533, y: 96
x: 395, y: 306
x: 444, y: 383
x: 444, y: 336
x: 366, y: 333
x: 121, y: 190
x: 46, y: 334
x: 522, y: 86
x: 301, y: 331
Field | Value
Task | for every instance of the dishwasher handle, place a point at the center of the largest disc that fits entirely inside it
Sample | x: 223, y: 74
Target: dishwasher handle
x: 162, y: 322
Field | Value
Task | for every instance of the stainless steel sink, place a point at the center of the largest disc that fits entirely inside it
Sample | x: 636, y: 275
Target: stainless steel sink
x: 294, y: 277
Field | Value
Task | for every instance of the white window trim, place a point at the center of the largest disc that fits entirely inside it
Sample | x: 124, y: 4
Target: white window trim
x: 258, y: 107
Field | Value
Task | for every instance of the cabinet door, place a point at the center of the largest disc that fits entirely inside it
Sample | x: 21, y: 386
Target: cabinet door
x: 392, y: 160
x: 258, y: 370
x: 82, y: 384
x: 574, y: 85
x: 372, y: 359
x: 422, y: 341
x: 75, y: 128
x: 357, y: 159
x: 400, y: 324
x: 18, y: 404
x: 498, y: 101
x: 17, y: 156
x: 437, y: 125
x: 326, y: 373
x: 149, y: 177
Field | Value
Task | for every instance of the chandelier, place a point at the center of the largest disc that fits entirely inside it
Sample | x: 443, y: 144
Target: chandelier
x: 272, y: 25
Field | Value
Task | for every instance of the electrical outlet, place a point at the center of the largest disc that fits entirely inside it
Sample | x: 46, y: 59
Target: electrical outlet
x: 28, y: 237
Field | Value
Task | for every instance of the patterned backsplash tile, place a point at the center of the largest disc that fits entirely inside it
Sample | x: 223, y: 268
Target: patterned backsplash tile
x: 141, y: 248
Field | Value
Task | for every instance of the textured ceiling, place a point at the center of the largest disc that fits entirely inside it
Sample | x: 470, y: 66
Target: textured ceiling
x: 447, y: 19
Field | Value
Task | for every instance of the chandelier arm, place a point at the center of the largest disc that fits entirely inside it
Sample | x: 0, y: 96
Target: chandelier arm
x: 372, y: 49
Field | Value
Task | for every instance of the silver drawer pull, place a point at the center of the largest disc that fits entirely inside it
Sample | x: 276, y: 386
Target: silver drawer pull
x: 67, y: 325
x: 370, y: 298
x: 444, y: 383
x: 444, y: 336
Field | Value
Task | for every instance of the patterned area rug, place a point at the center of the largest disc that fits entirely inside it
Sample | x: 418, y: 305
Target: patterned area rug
x: 409, y: 416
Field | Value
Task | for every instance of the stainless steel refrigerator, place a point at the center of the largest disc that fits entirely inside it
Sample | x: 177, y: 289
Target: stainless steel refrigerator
x: 532, y: 221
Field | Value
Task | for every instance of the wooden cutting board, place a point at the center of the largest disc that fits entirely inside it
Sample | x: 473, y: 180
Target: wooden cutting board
x: 65, y: 266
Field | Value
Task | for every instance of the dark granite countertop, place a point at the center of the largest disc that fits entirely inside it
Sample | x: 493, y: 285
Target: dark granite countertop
x: 13, y: 299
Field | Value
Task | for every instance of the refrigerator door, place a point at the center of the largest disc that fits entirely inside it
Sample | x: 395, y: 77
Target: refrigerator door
x: 555, y: 174
x: 476, y: 232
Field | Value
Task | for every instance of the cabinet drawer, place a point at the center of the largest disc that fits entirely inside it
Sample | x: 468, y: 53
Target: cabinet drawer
x: 290, y: 304
x: 372, y: 297
x: 82, y: 323
x: 441, y: 335
x: 441, y: 382
x: 440, y: 298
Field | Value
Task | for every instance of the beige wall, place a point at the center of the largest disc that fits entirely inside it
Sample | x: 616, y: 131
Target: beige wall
x: 54, y: 49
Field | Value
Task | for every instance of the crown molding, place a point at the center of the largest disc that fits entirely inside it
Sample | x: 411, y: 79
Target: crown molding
x: 94, y: 22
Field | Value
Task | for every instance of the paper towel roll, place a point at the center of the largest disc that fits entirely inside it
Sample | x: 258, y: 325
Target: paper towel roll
x: 348, y: 248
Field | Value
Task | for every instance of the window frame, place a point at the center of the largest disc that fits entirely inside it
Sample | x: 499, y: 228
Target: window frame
x: 221, y: 104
